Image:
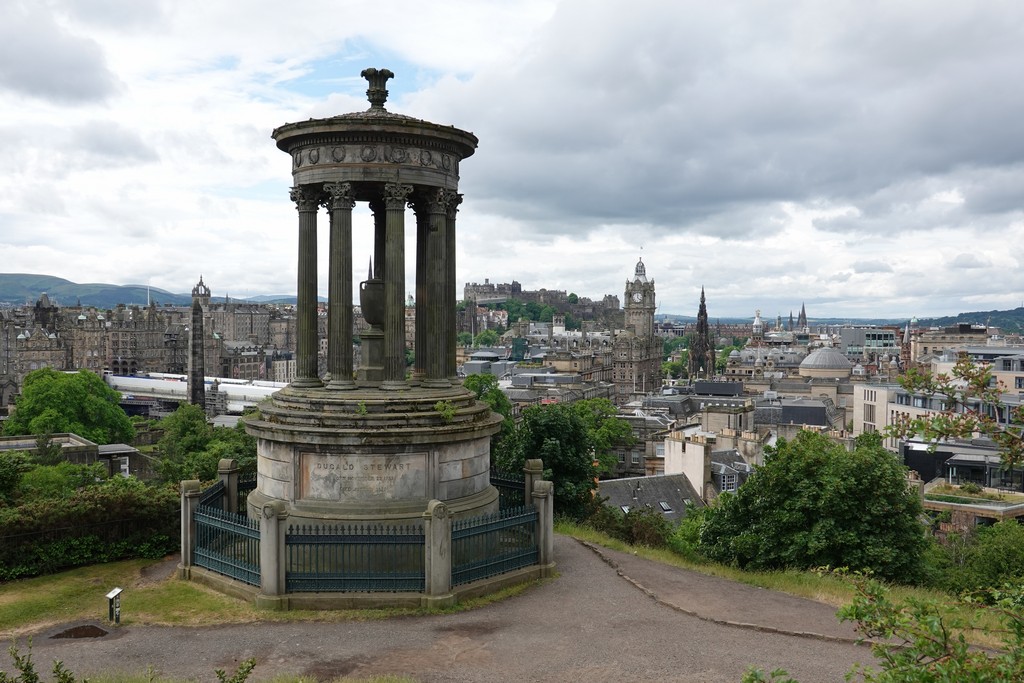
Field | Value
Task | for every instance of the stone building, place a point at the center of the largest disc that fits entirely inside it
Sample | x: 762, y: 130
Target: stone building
x: 636, y: 351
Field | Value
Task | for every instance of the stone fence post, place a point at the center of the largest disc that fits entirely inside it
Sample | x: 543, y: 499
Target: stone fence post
x: 228, y: 470
x: 532, y: 471
x: 437, y: 560
x: 273, y: 526
x: 189, y: 502
x: 544, y: 501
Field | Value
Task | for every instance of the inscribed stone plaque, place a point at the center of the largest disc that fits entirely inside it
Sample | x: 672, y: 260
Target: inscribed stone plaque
x: 364, y: 477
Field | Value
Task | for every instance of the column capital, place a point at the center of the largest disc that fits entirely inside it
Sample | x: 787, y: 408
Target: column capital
x: 453, y: 201
x: 305, y: 197
x: 433, y: 200
x: 396, y: 195
x: 339, y: 195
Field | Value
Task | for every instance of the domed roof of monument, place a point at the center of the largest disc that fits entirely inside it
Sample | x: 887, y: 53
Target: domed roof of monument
x: 376, y: 119
x: 826, y: 358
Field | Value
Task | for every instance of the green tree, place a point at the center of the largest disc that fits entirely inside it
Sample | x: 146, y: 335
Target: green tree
x: 813, y: 504
x: 607, y: 430
x: 487, y: 390
x: 974, y: 405
x: 465, y: 339
x: 55, y: 482
x: 988, y: 557
x: 676, y: 369
x: 54, y: 402
x: 722, y: 360
x: 573, y: 298
x: 670, y: 344
x: 487, y: 338
x: 185, y: 431
x: 13, y: 464
x: 575, y: 440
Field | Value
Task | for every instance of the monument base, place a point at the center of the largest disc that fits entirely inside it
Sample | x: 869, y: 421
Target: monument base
x: 370, y: 456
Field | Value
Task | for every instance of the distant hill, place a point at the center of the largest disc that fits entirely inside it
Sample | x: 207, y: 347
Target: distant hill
x: 21, y: 288
x: 1006, y: 321
x: 17, y: 289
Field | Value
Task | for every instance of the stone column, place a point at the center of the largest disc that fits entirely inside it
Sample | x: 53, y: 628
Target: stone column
x: 436, y: 314
x: 543, y: 499
x: 272, y: 555
x: 306, y: 370
x: 379, y: 238
x: 339, y: 293
x: 437, y: 561
x: 422, y: 297
x: 450, y: 296
x: 395, y: 198
x: 227, y: 470
x: 189, y: 502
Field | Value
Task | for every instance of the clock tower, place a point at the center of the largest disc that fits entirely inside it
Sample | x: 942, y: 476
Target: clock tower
x: 639, y: 302
x: 637, y: 350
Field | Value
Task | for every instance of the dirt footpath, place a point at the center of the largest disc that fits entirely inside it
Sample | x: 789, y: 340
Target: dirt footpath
x: 608, y: 617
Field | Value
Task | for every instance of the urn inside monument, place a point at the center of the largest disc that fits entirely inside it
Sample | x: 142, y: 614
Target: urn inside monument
x: 371, y: 300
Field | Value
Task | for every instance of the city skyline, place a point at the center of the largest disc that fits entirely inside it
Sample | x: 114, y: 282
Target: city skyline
x: 865, y: 160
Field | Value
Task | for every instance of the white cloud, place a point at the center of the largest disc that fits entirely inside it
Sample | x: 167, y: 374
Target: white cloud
x: 864, y: 160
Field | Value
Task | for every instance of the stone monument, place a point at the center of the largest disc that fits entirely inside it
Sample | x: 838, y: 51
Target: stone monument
x: 375, y: 443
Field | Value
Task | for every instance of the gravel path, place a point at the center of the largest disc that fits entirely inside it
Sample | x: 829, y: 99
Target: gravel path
x: 608, y: 617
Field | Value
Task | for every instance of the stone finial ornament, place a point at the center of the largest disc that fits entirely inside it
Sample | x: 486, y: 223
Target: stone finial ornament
x: 377, y: 93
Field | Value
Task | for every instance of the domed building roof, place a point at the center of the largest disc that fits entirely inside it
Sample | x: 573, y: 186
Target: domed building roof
x: 826, y: 362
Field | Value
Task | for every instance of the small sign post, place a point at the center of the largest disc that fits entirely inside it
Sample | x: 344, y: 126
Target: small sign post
x: 114, y: 605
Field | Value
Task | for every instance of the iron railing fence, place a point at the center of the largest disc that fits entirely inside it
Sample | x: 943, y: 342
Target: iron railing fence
x: 354, y: 558
x: 511, y: 493
x: 246, y: 484
x: 213, y: 496
x: 489, y: 545
x: 228, y: 543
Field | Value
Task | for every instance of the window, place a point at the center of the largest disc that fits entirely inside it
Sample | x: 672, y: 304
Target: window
x: 728, y: 482
x: 625, y: 508
x: 665, y: 507
x: 1018, y: 382
x: 622, y: 457
x: 635, y: 458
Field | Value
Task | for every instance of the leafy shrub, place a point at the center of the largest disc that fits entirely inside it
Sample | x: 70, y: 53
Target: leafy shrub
x: 970, y: 487
x: 685, y: 539
x: 639, y: 526
x: 116, y: 519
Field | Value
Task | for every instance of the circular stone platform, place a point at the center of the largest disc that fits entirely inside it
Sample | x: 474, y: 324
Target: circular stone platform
x: 368, y: 455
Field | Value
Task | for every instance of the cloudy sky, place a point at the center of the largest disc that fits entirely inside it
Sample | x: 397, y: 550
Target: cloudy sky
x: 865, y: 158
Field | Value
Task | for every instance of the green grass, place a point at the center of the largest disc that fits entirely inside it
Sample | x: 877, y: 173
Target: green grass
x: 822, y: 587
x: 29, y: 605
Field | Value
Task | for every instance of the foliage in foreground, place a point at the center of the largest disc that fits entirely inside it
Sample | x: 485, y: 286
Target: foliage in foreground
x: 27, y: 670
x: 917, y: 641
x: 813, y: 504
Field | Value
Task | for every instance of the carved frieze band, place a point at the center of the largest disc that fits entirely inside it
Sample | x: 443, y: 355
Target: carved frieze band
x: 394, y: 154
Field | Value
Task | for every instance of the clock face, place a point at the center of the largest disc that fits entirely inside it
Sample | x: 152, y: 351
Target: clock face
x: 638, y: 297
